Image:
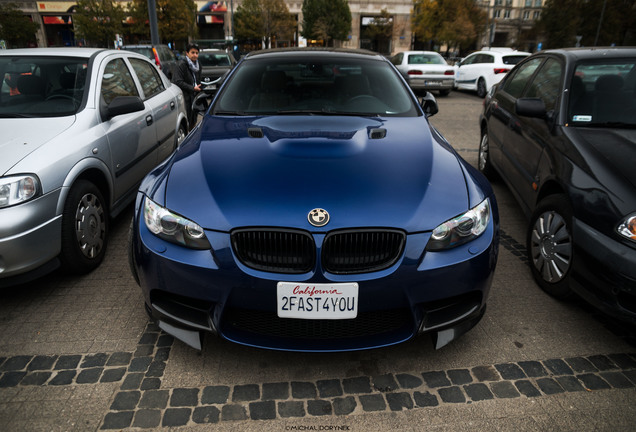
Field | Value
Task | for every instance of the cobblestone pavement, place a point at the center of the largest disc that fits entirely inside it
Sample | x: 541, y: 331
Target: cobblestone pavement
x: 78, y: 353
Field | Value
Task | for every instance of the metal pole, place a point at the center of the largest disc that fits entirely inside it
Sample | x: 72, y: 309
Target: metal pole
x: 600, y: 21
x: 152, y: 19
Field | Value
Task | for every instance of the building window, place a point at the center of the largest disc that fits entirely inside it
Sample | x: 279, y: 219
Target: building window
x: 496, y: 13
x: 498, y: 2
x: 508, y: 2
x: 507, y: 14
x: 536, y: 15
x: 526, y: 15
x: 528, y: 3
x: 537, y: 3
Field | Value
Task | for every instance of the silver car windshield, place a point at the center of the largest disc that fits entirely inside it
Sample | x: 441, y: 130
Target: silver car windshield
x: 41, y: 86
x: 603, y: 94
x: 316, y: 85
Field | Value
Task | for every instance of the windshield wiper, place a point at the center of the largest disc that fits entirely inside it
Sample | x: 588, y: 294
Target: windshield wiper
x: 229, y: 113
x: 15, y: 115
x: 621, y: 125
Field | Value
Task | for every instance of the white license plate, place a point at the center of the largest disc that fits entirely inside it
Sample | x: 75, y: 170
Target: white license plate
x: 317, y: 301
x: 432, y: 83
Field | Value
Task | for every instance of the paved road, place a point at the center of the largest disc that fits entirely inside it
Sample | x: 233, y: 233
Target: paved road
x: 78, y: 353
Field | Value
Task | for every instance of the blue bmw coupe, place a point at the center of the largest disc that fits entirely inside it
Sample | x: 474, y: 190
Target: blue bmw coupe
x: 314, y: 208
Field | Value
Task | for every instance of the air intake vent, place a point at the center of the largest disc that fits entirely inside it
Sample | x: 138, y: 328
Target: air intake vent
x: 377, y: 133
x: 255, y: 132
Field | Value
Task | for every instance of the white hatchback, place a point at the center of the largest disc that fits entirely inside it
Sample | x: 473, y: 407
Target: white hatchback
x: 483, y: 69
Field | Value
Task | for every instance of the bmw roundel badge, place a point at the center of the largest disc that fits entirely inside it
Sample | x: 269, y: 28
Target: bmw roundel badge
x: 318, y: 217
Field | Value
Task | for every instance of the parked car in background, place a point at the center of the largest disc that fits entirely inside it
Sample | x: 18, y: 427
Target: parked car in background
x: 215, y: 63
x: 483, y: 69
x: 314, y: 208
x: 162, y: 55
x: 80, y: 129
x: 560, y: 130
x: 425, y: 70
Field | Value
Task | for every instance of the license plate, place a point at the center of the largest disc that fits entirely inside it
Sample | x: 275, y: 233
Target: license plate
x: 432, y: 83
x: 317, y: 301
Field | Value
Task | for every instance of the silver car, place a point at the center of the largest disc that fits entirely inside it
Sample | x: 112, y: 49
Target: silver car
x: 80, y: 128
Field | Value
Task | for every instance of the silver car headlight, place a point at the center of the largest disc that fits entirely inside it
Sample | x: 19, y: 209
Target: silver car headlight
x: 628, y: 227
x: 172, y: 227
x: 461, y: 229
x: 18, y: 189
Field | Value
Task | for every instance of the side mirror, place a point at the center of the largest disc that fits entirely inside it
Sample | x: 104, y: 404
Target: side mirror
x: 530, y: 107
x: 123, y: 105
x: 200, y: 103
x: 429, y: 105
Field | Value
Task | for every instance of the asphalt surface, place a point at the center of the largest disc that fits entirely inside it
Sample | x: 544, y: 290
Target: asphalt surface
x: 79, y: 353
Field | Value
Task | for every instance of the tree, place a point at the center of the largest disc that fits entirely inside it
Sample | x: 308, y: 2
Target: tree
x: 176, y: 20
x: 263, y: 20
x: 16, y: 28
x: 598, y: 22
x: 328, y: 20
x: 456, y: 23
x: 98, y: 21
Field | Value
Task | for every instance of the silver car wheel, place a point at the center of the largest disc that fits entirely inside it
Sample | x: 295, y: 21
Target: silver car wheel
x: 483, y: 152
x: 182, y: 132
x: 551, y: 246
x: 90, y: 225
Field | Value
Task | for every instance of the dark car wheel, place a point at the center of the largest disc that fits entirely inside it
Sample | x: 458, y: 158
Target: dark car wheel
x: 481, y: 88
x: 549, y: 245
x: 484, y: 164
x: 84, y: 228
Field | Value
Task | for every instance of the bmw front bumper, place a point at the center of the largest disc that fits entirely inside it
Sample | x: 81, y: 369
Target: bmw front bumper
x: 192, y: 292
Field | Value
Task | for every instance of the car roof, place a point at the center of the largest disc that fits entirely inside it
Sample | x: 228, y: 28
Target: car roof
x: 576, y: 54
x: 57, y: 52
x: 314, y: 51
x: 503, y: 53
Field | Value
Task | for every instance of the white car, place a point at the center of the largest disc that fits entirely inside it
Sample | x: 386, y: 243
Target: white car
x: 81, y: 128
x: 483, y: 69
x: 425, y: 70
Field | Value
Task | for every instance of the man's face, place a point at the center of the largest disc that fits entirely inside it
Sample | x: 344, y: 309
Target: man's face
x: 193, y: 54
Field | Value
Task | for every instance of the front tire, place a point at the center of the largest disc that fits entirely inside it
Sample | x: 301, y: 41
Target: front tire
x: 550, y: 246
x: 481, y: 88
x: 484, y: 163
x: 182, y: 132
x: 84, y: 228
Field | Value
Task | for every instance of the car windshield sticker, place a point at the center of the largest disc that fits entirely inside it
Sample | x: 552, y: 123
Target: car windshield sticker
x: 582, y: 118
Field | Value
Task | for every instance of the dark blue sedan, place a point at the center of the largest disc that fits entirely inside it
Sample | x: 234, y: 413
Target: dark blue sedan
x: 314, y: 208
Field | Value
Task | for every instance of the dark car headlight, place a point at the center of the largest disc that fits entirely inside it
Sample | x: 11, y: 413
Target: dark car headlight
x: 18, y: 189
x: 173, y: 227
x: 461, y: 229
x: 628, y: 227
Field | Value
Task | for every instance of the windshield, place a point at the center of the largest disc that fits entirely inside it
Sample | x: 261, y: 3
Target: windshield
x: 214, y: 59
x: 603, y: 93
x: 41, y: 86
x: 308, y: 84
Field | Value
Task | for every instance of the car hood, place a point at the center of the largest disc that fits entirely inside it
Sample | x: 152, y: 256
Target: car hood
x: 613, y: 149
x: 272, y: 171
x: 22, y: 136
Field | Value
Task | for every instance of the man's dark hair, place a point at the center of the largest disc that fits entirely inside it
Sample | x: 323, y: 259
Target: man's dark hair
x: 191, y: 46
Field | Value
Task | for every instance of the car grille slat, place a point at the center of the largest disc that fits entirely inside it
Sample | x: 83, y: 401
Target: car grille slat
x: 294, y: 251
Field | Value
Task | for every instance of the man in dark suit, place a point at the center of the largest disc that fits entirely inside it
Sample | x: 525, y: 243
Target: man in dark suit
x: 187, y: 76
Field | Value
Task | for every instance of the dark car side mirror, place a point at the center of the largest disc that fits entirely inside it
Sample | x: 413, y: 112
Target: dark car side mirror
x: 530, y: 107
x: 429, y: 105
x: 123, y: 105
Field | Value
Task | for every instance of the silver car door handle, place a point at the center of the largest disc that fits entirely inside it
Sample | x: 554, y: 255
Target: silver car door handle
x: 172, y: 105
x: 149, y: 120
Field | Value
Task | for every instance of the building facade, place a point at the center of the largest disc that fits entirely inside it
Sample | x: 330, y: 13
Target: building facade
x: 510, y: 23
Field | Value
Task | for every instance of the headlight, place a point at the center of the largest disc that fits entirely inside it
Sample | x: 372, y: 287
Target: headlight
x: 628, y: 227
x: 173, y: 227
x: 461, y: 229
x: 18, y: 189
